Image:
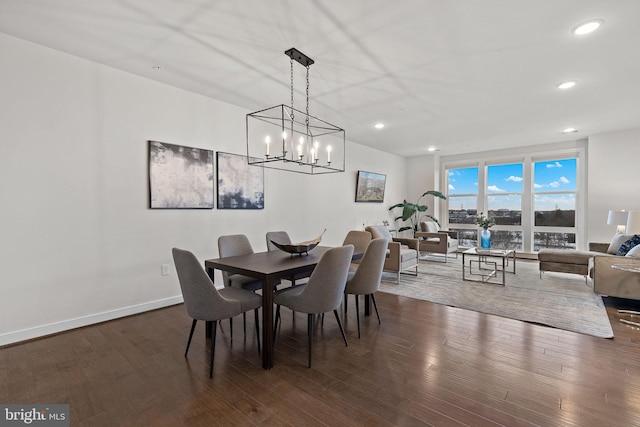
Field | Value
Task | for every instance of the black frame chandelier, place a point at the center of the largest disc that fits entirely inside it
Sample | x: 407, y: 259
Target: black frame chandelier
x: 281, y: 137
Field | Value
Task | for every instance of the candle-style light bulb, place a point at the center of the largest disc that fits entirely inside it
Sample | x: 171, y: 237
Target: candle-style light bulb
x: 328, y: 154
x: 284, y: 143
x: 267, y: 141
x: 316, y: 146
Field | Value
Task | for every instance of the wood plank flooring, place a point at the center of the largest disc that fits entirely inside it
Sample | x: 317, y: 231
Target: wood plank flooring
x: 426, y: 364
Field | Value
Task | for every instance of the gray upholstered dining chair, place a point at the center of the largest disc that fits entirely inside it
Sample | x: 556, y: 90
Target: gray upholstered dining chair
x: 359, y: 240
x: 204, y: 302
x: 366, y: 279
x: 282, y: 237
x: 234, y: 245
x: 323, y: 292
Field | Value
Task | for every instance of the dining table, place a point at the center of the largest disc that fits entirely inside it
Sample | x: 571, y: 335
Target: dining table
x: 268, y: 267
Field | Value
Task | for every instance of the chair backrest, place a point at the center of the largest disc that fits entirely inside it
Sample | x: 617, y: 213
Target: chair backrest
x: 201, y: 299
x: 429, y: 227
x: 366, y: 279
x: 233, y: 245
x: 323, y: 292
x: 379, y: 232
x: 281, y: 237
x: 359, y: 239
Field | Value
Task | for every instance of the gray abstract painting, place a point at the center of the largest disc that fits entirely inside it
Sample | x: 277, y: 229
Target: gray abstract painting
x: 240, y: 186
x: 180, y: 177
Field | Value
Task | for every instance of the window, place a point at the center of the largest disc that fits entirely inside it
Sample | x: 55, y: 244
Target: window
x: 554, y: 204
x: 463, y: 195
x: 462, y: 200
x: 534, y: 200
x: 504, y: 190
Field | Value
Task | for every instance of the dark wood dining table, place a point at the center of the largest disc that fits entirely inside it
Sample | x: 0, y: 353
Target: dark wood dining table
x: 269, y: 268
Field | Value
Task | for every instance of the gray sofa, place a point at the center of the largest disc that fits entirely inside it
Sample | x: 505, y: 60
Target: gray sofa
x: 616, y: 276
x: 613, y: 275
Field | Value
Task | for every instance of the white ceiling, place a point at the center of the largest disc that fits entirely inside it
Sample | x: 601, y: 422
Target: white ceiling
x: 463, y: 76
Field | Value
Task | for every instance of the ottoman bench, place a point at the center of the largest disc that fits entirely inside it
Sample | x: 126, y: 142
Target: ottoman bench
x: 566, y: 261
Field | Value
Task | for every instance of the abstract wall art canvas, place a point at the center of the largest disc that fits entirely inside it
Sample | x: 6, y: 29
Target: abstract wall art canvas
x: 180, y: 177
x: 240, y: 186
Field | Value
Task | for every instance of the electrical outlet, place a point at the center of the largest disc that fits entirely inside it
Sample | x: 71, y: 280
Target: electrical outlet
x: 164, y: 269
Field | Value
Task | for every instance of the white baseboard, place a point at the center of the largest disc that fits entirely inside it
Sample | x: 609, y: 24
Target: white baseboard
x: 65, y: 325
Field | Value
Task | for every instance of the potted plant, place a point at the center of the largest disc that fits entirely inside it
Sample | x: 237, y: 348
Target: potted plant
x: 414, y: 212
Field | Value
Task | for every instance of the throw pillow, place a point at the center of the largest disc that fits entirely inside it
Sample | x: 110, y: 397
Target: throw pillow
x: 634, y: 252
x: 617, y: 241
x: 628, y: 245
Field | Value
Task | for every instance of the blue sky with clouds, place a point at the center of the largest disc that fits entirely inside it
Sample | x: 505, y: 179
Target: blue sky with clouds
x: 550, y: 176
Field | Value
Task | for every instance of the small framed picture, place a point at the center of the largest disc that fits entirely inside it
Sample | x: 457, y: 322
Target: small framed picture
x: 370, y: 187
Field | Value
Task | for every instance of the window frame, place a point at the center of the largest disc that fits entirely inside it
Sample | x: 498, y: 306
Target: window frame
x: 527, y: 156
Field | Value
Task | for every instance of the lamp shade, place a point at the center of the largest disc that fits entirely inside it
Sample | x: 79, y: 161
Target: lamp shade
x: 633, y: 222
x: 618, y: 218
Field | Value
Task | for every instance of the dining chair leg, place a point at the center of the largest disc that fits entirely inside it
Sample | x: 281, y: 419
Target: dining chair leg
x: 309, y: 334
x: 275, y: 326
x: 344, y: 337
x: 193, y: 327
x: 244, y: 323
x: 373, y: 298
x: 346, y: 300
x: 230, y: 327
x: 358, y: 314
x: 257, y: 328
x: 213, y: 347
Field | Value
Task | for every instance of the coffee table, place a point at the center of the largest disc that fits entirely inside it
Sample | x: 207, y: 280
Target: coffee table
x: 488, y: 263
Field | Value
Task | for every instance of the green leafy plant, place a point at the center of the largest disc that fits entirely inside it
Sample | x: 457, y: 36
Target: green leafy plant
x: 485, y: 221
x: 414, y: 212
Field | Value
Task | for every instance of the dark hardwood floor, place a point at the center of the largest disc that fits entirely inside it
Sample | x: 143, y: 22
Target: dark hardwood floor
x: 426, y: 364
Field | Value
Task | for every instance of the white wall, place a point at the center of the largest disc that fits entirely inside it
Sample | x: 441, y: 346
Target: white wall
x: 79, y: 244
x: 613, y: 165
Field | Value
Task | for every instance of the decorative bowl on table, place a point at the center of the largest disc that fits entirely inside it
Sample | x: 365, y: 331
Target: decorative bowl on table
x: 295, y: 249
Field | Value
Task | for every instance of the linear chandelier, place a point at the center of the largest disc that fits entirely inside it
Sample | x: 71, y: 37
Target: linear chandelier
x: 284, y: 138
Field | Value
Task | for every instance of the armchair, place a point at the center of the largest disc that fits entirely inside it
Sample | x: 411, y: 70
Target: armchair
x: 402, y: 253
x: 434, y: 240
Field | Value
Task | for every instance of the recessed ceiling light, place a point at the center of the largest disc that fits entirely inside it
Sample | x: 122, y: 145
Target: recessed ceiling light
x: 432, y: 149
x: 567, y: 85
x: 569, y: 130
x: 379, y: 125
x: 587, y: 27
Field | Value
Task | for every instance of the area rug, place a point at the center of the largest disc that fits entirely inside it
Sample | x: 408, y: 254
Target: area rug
x: 558, y: 300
